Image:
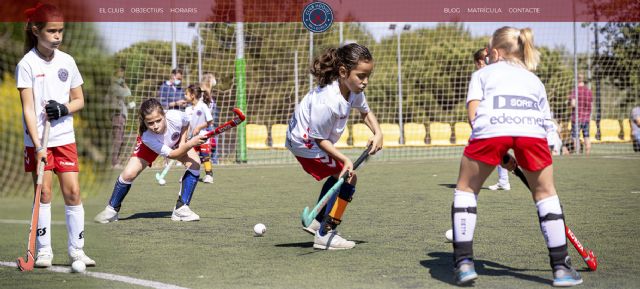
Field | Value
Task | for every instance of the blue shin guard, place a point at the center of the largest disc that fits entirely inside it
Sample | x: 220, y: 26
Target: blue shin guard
x: 189, y: 182
x: 120, y: 191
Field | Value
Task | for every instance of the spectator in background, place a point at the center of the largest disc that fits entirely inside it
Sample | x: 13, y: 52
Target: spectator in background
x: 170, y: 93
x: 117, y: 92
x: 634, y: 120
x: 585, y: 99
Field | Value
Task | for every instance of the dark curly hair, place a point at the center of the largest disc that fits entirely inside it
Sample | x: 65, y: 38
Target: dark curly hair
x: 325, y: 67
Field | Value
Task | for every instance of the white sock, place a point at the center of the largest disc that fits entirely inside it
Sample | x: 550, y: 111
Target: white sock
x: 75, y: 226
x: 464, y: 223
x: 43, y: 235
x: 503, y: 176
x: 553, y: 230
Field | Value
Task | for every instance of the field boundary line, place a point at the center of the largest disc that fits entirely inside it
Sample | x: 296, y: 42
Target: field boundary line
x: 106, y: 276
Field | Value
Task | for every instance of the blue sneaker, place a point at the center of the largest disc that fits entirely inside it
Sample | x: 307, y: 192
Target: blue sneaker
x: 465, y: 272
x: 566, y: 276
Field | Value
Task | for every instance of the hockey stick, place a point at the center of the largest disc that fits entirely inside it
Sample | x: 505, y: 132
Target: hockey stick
x: 229, y: 124
x: 161, y: 175
x: 31, y: 245
x: 587, y: 255
x: 308, y: 216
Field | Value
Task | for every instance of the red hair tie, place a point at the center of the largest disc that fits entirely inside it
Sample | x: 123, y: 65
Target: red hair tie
x: 30, y: 11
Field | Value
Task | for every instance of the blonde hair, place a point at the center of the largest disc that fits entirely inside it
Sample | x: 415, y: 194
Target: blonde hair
x: 518, y: 46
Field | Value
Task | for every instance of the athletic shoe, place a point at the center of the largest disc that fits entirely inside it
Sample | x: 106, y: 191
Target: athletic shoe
x: 312, y: 228
x: 107, y: 215
x: 331, y: 241
x: 565, y: 276
x: 78, y: 254
x: 184, y: 214
x: 500, y: 186
x: 208, y: 179
x: 45, y: 257
x: 465, y: 272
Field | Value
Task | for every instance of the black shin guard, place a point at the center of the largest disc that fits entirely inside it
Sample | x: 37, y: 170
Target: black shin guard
x: 559, y: 256
x: 462, y: 250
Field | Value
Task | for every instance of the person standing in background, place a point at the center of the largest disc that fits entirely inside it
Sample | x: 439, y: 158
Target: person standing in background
x: 170, y: 92
x: 585, y: 98
x: 117, y: 92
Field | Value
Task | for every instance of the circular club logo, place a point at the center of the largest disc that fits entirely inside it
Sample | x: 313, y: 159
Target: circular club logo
x: 175, y: 136
x: 199, y: 113
x: 63, y: 74
x: 317, y: 17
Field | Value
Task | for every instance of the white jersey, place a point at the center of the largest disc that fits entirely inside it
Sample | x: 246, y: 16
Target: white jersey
x: 198, y: 114
x: 322, y: 114
x: 553, y: 138
x: 163, y: 144
x: 49, y: 80
x: 513, y: 102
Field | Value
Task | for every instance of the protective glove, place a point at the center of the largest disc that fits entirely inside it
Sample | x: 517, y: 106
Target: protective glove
x: 56, y: 110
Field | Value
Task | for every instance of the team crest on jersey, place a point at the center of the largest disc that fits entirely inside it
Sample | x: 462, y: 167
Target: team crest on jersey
x: 63, y: 74
x: 317, y: 17
x: 199, y: 112
x: 175, y: 136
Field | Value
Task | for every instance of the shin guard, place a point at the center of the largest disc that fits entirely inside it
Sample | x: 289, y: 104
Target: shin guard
x: 463, y: 216
x: 189, y: 182
x: 120, y: 191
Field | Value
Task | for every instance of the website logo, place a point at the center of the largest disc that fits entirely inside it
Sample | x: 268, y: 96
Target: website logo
x: 514, y: 102
x: 317, y: 17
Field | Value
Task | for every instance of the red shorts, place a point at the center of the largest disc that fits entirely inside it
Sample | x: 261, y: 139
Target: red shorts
x: 60, y: 159
x: 531, y: 153
x: 203, y: 149
x: 144, y: 152
x: 321, y: 168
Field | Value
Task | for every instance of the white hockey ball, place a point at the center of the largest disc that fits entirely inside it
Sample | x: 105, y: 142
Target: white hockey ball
x: 259, y: 229
x: 162, y: 182
x: 449, y: 235
x: 78, y: 266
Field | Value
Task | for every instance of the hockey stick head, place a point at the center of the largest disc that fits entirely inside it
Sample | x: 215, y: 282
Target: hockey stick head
x: 306, y: 217
x: 239, y: 113
x: 26, y: 265
x: 592, y: 261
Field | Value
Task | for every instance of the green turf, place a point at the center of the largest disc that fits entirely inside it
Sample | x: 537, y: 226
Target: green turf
x: 398, y: 218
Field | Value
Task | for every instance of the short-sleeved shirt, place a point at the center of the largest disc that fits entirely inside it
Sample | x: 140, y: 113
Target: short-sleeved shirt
x: 322, y: 114
x: 635, y: 113
x: 163, y: 144
x: 168, y: 93
x: 198, y: 114
x: 585, y: 98
x: 49, y: 80
x: 513, y: 102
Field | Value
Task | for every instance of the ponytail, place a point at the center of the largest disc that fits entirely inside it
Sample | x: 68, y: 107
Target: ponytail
x: 38, y: 16
x: 531, y: 56
x: 518, y: 46
x: 147, y: 107
x: 326, y: 66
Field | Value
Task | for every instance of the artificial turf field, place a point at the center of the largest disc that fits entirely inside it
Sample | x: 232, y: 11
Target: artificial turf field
x: 398, y: 218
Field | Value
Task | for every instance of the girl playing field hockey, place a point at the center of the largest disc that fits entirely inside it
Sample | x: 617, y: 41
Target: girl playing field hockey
x: 50, y: 87
x: 200, y: 119
x: 508, y: 108
x: 162, y: 134
x: 319, y: 121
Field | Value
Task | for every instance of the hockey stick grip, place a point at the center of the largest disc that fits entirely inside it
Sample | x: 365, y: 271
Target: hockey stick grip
x: 240, y: 117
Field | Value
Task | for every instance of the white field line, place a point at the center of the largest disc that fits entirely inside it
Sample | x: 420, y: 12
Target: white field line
x: 28, y: 222
x: 106, y: 276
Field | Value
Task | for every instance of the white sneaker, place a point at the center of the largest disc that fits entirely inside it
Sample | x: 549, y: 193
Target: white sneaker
x: 331, y: 241
x: 312, y: 228
x: 208, y: 179
x: 184, y: 214
x: 107, y: 215
x: 44, y: 257
x: 500, y: 186
x: 78, y: 254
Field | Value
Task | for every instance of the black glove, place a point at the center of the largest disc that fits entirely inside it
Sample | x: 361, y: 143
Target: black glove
x: 56, y: 110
